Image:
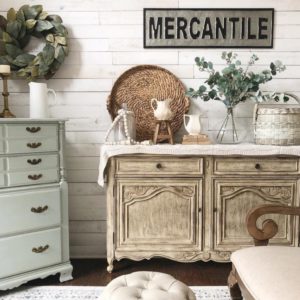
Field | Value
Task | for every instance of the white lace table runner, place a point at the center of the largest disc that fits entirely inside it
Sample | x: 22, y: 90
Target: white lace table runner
x: 108, y: 151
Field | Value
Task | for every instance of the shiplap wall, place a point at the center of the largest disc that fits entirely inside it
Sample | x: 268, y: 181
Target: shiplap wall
x: 106, y: 39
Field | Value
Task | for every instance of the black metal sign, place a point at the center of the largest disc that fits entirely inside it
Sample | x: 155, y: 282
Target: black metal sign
x: 208, y: 28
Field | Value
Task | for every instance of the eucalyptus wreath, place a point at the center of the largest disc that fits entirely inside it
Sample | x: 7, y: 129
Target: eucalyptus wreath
x: 15, y: 33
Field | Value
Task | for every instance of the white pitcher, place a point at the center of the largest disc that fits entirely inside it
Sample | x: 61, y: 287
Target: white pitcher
x: 162, y: 111
x: 193, y: 127
x: 39, y: 100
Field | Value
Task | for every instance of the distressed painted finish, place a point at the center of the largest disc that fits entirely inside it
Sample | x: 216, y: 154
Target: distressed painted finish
x: 34, y: 222
x: 105, y: 40
x: 186, y: 215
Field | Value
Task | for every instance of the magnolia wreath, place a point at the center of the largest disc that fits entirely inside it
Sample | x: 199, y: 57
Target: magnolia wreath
x: 15, y: 33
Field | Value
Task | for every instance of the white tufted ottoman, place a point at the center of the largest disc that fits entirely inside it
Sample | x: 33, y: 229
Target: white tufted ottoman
x: 147, y: 286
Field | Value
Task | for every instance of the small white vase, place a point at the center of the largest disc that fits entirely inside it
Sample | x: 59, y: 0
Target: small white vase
x: 38, y: 100
x: 193, y: 127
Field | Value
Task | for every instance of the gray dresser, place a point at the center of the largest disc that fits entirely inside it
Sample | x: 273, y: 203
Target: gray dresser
x: 34, y: 230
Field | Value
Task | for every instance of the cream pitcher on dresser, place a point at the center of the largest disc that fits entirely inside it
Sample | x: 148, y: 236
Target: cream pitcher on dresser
x: 38, y: 98
x: 193, y: 127
x: 162, y: 111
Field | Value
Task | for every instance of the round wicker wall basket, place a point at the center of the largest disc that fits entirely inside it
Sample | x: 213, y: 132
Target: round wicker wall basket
x: 137, y: 86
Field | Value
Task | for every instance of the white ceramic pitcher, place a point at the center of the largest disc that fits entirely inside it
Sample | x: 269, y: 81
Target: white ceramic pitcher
x: 193, y: 127
x: 38, y: 99
x: 162, y: 111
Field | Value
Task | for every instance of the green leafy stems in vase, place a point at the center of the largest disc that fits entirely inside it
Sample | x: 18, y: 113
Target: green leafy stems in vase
x: 234, y: 84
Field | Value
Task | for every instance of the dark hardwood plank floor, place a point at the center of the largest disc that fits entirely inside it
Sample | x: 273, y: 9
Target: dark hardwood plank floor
x: 93, y: 272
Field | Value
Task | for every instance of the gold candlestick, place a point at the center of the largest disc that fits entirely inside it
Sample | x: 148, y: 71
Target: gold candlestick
x: 6, y: 113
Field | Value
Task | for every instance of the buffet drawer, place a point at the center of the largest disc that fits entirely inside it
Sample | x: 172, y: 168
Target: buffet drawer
x: 32, y: 177
x: 160, y: 166
x: 29, y: 210
x: 256, y: 165
x: 32, y: 162
x: 32, y: 145
x: 15, y: 131
x: 30, y: 251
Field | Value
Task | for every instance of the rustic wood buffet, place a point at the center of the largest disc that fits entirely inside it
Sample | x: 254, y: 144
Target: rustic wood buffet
x: 193, y: 207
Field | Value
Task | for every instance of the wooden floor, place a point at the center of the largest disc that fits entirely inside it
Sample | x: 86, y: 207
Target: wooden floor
x: 93, y: 272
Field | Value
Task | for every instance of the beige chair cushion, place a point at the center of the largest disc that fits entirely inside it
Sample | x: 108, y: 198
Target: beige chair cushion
x: 147, y: 286
x: 269, y: 272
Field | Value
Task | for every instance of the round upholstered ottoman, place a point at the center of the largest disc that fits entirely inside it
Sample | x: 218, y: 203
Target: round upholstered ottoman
x: 147, y: 286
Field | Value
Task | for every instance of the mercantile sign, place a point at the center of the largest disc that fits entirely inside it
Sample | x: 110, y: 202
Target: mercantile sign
x: 208, y: 28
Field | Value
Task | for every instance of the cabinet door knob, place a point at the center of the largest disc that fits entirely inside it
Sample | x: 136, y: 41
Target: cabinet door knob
x: 215, y: 209
x: 34, y: 161
x: 33, y: 129
x: 40, y: 249
x: 34, y: 145
x: 159, y: 166
x: 39, y: 209
x: 257, y: 166
x: 35, y: 176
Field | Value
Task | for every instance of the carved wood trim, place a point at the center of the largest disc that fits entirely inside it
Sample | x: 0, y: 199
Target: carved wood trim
x: 269, y: 227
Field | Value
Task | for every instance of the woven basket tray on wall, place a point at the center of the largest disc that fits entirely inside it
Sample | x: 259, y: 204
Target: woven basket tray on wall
x: 137, y: 86
x: 277, y: 124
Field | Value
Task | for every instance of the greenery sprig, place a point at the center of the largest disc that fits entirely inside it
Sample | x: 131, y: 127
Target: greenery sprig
x: 15, y: 33
x: 234, y: 83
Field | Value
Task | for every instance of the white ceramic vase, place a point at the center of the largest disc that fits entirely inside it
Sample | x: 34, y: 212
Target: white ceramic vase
x: 162, y: 110
x: 38, y: 100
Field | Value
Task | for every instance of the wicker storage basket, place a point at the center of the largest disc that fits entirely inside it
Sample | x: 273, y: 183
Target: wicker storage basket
x: 277, y: 124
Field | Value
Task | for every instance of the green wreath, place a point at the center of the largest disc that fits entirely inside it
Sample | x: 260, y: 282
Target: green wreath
x: 15, y: 33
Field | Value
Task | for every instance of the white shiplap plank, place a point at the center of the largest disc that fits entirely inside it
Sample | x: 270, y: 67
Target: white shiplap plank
x: 87, y: 208
x: 91, y: 239
x: 65, y: 85
x: 148, y: 57
x: 121, y: 17
x: 106, y: 31
x: 87, y: 226
x: 84, y: 163
x: 113, y: 71
x: 86, y: 189
x: 89, y: 58
x: 82, y: 150
x: 82, y: 175
x: 287, y: 5
x: 88, y: 251
x: 288, y: 58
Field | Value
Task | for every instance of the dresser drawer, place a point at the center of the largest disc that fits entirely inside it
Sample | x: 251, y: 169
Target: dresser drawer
x: 32, y: 162
x: 256, y: 165
x: 30, y: 251
x: 160, y: 166
x: 32, y: 177
x: 31, y: 130
x: 31, y: 145
x: 29, y: 210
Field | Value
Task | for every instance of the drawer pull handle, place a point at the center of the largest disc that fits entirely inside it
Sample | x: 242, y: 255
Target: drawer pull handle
x: 33, y: 129
x: 35, y: 177
x: 257, y: 166
x: 39, y: 209
x: 159, y: 166
x: 40, y: 249
x: 34, y: 145
x: 34, y: 161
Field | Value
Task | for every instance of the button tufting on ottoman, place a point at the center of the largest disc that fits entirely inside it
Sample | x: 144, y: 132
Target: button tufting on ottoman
x: 147, y: 286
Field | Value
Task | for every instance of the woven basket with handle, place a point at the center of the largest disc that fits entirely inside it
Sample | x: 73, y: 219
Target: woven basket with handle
x: 277, y: 124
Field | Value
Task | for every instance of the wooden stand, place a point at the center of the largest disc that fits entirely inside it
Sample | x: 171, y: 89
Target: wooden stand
x: 163, y: 132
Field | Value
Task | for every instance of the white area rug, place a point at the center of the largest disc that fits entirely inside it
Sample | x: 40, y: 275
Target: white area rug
x: 94, y: 293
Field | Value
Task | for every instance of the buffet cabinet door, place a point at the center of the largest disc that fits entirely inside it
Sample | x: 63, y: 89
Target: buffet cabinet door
x: 233, y: 199
x: 159, y: 214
